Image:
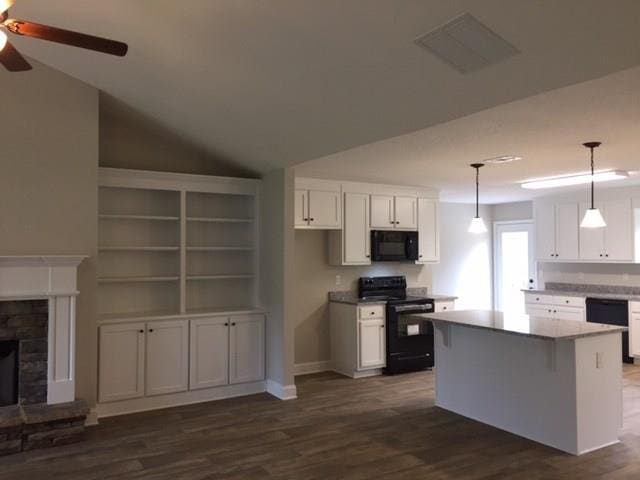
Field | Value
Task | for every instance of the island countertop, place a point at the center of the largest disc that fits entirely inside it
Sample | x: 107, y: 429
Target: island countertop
x: 521, y: 324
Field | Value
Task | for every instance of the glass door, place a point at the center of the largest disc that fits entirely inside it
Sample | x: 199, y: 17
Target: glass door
x: 514, y: 265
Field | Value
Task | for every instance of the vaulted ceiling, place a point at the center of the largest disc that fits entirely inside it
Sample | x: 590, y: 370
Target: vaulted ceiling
x: 278, y: 82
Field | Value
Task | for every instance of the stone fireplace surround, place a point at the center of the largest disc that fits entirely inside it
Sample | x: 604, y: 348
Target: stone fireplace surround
x: 37, y: 308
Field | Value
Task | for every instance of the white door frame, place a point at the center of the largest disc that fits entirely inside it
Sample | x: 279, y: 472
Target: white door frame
x: 496, y: 257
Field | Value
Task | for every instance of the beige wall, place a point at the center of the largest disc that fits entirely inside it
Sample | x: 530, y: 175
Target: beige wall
x: 314, y: 278
x: 128, y: 139
x: 505, y: 212
x: 48, y: 185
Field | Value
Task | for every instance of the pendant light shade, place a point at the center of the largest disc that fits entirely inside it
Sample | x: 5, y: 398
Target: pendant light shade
x: 477, y: 224
x: 592, y: 217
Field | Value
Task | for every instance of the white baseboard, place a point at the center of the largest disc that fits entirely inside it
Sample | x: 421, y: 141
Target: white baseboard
x: 283, y: 392
x: 92, y: 418
x: 157, y: 402
x: 311, y: 367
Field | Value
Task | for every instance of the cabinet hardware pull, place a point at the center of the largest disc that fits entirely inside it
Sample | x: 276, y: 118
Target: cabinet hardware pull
x: 381, y: 326
x: 311, y: 219
x: 233, y: 324
x: 367, y: 256
x: 606, y: 255
x: 141, y: 331
x: 226, y: 324
x: 150, y: 330
x: 601, y: 255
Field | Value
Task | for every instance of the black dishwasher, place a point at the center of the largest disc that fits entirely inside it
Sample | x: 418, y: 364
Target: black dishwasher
x: 611, y: 312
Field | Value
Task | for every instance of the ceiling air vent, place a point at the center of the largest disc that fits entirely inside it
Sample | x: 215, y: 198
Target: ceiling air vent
x: 466, y: 44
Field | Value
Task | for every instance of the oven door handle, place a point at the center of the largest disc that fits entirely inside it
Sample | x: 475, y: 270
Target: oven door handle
x: 413, y: 308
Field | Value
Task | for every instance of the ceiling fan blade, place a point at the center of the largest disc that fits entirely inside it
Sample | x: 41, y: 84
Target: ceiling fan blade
x: 6, y: 5
x: 67, y: 37
x: 12, y: 60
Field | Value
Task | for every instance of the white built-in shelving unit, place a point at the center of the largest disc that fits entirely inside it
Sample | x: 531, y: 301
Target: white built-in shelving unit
x: 172, y: 244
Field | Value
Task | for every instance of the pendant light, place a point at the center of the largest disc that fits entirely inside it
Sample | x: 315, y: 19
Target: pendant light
x: 592, y: 217
x: 477, y: 224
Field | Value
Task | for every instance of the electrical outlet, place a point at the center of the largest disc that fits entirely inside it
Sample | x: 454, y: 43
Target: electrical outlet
x: 338, y: 280
x: 599, y: 359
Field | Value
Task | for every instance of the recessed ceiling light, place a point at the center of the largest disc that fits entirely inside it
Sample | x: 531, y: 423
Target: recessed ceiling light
x: 503, y: 159
x: 577, y: 179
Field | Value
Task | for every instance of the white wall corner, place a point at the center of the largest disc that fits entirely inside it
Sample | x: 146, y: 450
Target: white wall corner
x: 283, y: 392
x: 311, y: 367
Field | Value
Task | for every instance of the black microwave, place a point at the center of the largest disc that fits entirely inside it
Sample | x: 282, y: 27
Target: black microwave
x: 391, y: 246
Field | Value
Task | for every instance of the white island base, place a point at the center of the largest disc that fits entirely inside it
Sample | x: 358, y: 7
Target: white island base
x: 563, y: 392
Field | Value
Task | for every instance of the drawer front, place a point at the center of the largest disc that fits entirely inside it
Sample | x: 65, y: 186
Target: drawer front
x: 444, y: 306
x: 569, y: 301
x: 370, y: 311
x: 537, y: 298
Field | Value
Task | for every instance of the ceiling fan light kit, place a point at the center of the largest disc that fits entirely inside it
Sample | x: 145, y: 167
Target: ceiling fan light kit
x: 13, y: 61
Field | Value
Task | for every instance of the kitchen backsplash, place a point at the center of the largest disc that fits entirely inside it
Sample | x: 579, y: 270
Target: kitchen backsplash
x: 584, y: 273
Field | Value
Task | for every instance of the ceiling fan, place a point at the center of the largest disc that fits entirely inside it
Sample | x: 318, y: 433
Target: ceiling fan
x: 11, y: 59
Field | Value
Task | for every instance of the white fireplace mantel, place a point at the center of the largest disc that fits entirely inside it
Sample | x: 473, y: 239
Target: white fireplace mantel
x: 52, y: 277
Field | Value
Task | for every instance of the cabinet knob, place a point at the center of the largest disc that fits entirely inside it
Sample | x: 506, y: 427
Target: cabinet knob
x: 420, y: 256
x: 311, y: 219
x: 606, y: 254
x: 381, y: 326
x: 233, y: 324
x: 601, y: 255
x: 141, y: 331
x: 226, y: 324
x: 305, y: 219
x: 537, y: 299
x: 444, y: 308
x: 150, y: 330
x: 368, y: 256
x: 567, y: 301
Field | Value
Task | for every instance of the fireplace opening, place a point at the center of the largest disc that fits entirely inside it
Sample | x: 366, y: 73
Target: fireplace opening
x: 8, y: 373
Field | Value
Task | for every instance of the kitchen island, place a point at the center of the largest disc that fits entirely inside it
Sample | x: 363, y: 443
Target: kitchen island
x: 557, y: 382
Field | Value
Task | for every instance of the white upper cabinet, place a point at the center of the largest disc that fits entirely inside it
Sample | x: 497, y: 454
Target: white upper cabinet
x: 317, y: 204
x: 557, y: 231
x: 613, y: 242
x: 567, y: 228
x: 357, y: 232
x: 394, y: 212
x: 428, y: 231
x: 406, y: 213
x: 382, y: 215
x: 545, y: 219
x: 619, y: 232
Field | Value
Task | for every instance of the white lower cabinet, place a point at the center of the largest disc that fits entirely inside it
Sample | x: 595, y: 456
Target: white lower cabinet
x: 558, y: 307
x: 167, y: 357
x: 372, y: 343
x: 161, y: 357
x: 122, y: 354
x: 209, y: 353
x: 444, y: 306
x: 634, y: 329
x: 246, y: 348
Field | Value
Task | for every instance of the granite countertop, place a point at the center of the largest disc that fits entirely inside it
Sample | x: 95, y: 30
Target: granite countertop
x: 612, y: 292
x: 351, y: 297
x: 520, y: 324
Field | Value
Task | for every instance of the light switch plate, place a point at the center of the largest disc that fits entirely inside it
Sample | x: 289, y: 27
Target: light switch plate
x: 338, y: 280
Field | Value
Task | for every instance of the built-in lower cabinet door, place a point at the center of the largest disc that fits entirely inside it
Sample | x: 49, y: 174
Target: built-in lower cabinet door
x: 372, y: 344
x: 167, y: 357
x: 121, y: 362
x: 246, y: 348
x: 209, y: 362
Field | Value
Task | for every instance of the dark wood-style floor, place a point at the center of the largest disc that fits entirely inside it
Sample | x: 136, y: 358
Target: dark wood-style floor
x: 376, y: 428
